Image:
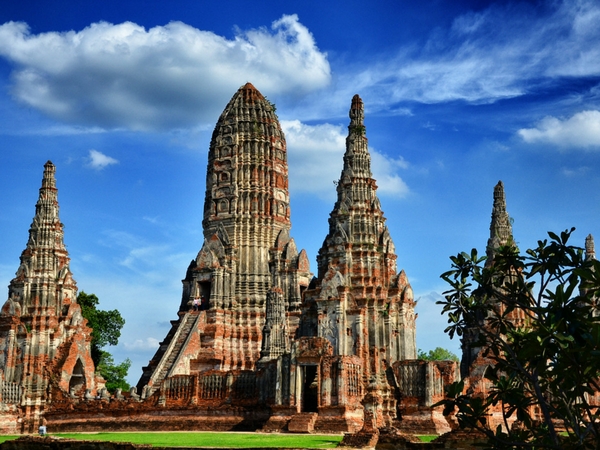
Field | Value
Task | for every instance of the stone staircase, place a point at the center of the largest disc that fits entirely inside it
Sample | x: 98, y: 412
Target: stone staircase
x: 303, y: 423
x: 187, y: 323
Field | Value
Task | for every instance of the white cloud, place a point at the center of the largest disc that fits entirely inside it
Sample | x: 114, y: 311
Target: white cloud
x: 145, y: 259
x: 59, y: 130
x: 98, y: 160
x: 385, y: 170
x: 149, y: 343
x: 495, y: 146
x: 152, y: 220
x: 581, y: 130
x: 500, y: 52
x: 175, y: 76
x: 315, y: 154
x: 166, y: 77
x: 575, y: 172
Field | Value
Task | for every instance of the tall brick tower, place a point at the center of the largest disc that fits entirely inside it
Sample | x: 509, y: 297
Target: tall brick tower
x: 43, y: 336
x: 500, y: 235
x: 363, y: 306
x: 247, y: 255
x: 500, y: 226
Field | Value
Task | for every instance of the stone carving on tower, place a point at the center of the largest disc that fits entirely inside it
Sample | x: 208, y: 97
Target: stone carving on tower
x: 275, y: 335
x: 249, y: 273
x: 44, y: 340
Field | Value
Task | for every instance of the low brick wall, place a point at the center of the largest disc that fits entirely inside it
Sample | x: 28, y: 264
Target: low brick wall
x: 137, y: 417
x: 51, y: 443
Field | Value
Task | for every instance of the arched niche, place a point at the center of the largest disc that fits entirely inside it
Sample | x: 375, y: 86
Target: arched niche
x: 77, y: 382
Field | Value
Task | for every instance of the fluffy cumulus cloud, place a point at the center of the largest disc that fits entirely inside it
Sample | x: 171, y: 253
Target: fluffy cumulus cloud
x: 165, y: 77
x: 98, y: 160
x: 315, y: 154
x: 582, y: 130
x: 500, y: 52
x: 385, y: 171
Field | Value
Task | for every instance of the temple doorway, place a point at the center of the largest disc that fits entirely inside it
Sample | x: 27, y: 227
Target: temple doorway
x: 77, y: 381
x: 204, y: 288
x: 310, y: 389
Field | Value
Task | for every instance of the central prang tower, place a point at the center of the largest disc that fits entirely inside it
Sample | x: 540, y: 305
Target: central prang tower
x: 248, y: 272
x: 247, y: 202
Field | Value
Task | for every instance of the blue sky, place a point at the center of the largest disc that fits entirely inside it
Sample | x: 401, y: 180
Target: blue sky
x: 123, y: 98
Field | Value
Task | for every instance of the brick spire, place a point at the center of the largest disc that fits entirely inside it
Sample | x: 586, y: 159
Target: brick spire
x: 357, y: 217
x: 44, y: 340
x: 44, y: 277
x: 500, y: 226
x: 590, y: 251
x: 357, y: 161
x: 364, y: 308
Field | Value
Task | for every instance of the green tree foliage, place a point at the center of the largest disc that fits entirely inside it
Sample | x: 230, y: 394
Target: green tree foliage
x: 106, y: 330
x: 114, y: 374
x: 106, y: 325
x: 438, y: 354
x: 544, y: 369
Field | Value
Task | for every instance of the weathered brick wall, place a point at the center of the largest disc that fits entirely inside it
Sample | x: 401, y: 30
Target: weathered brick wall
x: 49, y: 443
x: 421, y: 385
x: 10, y: 419
x: 130, y: 414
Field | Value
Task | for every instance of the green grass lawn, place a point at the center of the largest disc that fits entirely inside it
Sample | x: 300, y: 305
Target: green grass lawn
x: 428, y: 437
x: 207, y: 439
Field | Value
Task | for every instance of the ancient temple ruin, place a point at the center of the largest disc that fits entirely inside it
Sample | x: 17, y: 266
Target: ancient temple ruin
x: 316, y: 354
x: 44, y: 340
x: 258, y: 342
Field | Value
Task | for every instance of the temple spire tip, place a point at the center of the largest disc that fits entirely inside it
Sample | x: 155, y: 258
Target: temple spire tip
x: 590, y: 251
x: 500, y: 226
x: 357, y: 111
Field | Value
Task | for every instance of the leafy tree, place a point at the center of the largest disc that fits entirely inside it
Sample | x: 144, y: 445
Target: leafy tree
x: 545, y: 366
x: 438, y: 354
x: 114, y: 374
x: 106, y: 325
x: 106, y: 330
